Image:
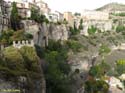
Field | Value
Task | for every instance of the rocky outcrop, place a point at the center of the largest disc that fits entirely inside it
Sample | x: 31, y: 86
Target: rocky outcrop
x: 43, y: 32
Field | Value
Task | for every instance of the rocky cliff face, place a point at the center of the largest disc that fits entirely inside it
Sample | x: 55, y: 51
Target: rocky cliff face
x: 50, y: 31
x: 43, y: 32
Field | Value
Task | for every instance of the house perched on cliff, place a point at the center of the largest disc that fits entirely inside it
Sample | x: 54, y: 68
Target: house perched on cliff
x: 4, y: 15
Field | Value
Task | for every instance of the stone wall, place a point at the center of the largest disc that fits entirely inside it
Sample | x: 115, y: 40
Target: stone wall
x: 20, y: 44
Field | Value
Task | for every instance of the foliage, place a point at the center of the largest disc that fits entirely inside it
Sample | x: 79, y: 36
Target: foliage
x: 81, y: 24
x: 9, y: 35
x: 5, y: 37
x: 57, y: 70
x: 35, y: 15
x: 92, y: 30
x: 120, y: 66
x: 15, y: 18
x: 18, y: 62
x: 119, y: 14
x: 99, y: 70
x: 77, y: 14
x: 74, y: 30
x: 104, y: 49
x: 13, y: 58
x: 120, y: 28
x: 21, y: 35
x: 74, y: 45
x: 96, y: 86
x: 30, y: 57
x: 65, y: 21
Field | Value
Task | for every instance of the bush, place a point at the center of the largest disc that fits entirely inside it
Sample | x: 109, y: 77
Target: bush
x: 74, y: 45
x: 92, y: 30
x: 120, y: 28
x: 96, y: 86
x: 13, y: 58
x: 104, y: 49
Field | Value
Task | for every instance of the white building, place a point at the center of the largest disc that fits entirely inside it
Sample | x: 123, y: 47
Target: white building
x: 95, y: 15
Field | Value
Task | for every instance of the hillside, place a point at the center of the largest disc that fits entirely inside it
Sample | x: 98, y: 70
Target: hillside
x: 112, y: 7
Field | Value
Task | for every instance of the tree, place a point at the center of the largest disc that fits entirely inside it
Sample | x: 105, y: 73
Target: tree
x: 104, y: 49
x: 65, y: 21
x: 5, y: 37
x: 92, y: 30
x: 81, y: 24
x: 15, y: 18
x: 120, y: 28
x: 100, y: 70
x: 96, y: 86
x: 120, y: 66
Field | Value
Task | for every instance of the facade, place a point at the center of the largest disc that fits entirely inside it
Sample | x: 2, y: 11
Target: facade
x: 102, y: 25
x: 24, y: 7
x: 95, y: 15
x: 44, y: 9
x: 60, y: 16
x: 4, y: 16
x: 69, y: 17
x: 53, y: 17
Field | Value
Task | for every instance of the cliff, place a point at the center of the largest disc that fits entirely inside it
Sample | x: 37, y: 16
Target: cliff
x: 43, y: 32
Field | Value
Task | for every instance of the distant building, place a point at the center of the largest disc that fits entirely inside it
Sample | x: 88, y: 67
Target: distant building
x: 4, y: 16
x: 69, y: 17
x: 95, y: 15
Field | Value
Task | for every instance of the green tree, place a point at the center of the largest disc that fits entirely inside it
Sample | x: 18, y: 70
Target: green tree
x: 104, y: 49
x: 120, y: 66
x: 120, y: 28
x: 92, y: 30
x: 81, y: 24
x: 15, y: 18
x: 5, y: 37
x: 96, y: 86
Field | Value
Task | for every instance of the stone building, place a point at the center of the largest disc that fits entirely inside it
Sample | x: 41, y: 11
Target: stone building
x: 95, y: 15
x: 69, y: 17
x: 4, y: 15
x: 44, y: 9
x: 100, y: 25
x: 24, y: 7
x: 60, y: 16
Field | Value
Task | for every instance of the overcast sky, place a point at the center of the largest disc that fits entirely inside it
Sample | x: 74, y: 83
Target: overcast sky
x: 78, y: 5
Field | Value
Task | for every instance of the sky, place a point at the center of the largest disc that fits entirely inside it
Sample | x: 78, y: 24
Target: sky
x: 78, y: 5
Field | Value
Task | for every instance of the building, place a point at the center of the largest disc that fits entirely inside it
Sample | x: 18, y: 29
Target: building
x: 77, y: 19
x: 24, y: 7
x: 60, y: 16
x: 95, y: 15
x: 69, y: 17
x: 44, y: 9
x: 53, y: 17
x: 4, y: 15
